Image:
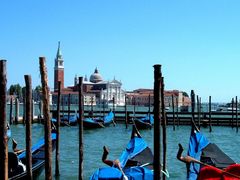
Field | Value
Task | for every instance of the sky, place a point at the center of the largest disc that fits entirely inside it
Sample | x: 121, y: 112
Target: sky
x: 197, y: 42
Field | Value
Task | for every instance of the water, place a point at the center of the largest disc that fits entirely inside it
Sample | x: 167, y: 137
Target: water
x: 116, y: 138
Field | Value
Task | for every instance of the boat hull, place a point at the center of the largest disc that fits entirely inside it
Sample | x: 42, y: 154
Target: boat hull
x: 142, y: 125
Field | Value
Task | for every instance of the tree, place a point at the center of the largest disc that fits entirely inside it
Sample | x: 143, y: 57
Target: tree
x: 37, y: 93
x: 15, y: 89
x: 185, y: 94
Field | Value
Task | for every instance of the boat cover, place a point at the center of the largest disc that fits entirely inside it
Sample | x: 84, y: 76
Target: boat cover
x: 212, y: 173
x: 197, y: 143
x: 109, y: 117
x: 138, y: 154
x: 135, y: 146
x: 133, y: 173
x: 147, y: 118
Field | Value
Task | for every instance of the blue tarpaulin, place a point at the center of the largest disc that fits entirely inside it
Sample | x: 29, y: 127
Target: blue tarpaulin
x: 197, y: 143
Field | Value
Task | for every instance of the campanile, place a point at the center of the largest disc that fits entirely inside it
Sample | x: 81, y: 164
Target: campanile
x: 58, y: 69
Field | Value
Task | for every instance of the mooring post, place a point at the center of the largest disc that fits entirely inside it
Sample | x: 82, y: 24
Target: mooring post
x: 198, y: 109
x: 24, y: 109
x: 92, y: 105
x: 126, y: 116
x: 103, y: 103
x: 57, y: 173
x: 173, y: 110
x: 80, y: 106
x: 11, y: 111
x: 16, y: 111
x: 3, y: 122
x: 232, y: 112
x: 113, y: 107
x: 236, y: 114
x: 40, y: 111
x: 62, y: 104
x: 177, y: 110
x: 164, y: 124
x: 193, y: 104
x: 157, y: 123
x: 149, y: 106
x: 28, y: 122
x: 47, y: 123
x: 33, y: 110
x: 69, y: 106
x: 134, y: 107
x: 210, y: 114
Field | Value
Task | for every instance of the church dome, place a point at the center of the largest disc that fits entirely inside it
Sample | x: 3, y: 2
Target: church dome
x: 96, y: 77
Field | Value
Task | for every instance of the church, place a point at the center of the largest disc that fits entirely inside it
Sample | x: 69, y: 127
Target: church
x: 96, y: 90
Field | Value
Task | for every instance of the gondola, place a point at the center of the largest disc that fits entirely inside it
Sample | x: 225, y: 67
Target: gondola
x: 17, y: 163
x: 145, y: 122
x: 134, y: 163
x: 64, y: 121
x: 98, y: 122
x: 72, y: 121
x: 206, y: 161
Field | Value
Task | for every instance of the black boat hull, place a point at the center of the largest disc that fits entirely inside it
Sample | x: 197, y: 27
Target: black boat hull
x: 142, y: 125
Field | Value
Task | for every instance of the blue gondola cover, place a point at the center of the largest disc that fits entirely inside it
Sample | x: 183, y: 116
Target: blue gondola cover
x: 197, y: 143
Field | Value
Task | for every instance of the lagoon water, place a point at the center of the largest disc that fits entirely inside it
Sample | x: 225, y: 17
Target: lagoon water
x: 116, y: 138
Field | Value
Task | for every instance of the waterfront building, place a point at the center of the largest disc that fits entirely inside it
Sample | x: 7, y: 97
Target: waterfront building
x: 140, y: 97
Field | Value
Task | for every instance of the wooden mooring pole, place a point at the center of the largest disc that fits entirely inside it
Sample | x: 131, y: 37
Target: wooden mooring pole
x: 199, y: 111
x: 236, y: 114
x: 69, y: 106
x: 103, y: 104
x: 173, y: 110
x: 47, y: 122
x: 210, y: 113
x: 157, y: 123
x: 80, y: 104
x: 3, y: 122
x: 11, y: 112
x: 164, y: 127
x: 24, y: 109
x: 232, y: 111
x: 16, y: 111
x: 28, y: 122
x: 177, y: 111
x: 126, y: 116
x: 57, y: 173
x: 193, y: 104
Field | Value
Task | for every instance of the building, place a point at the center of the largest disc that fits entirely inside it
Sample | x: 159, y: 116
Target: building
x: 144, y: 97
x: 96, y: 91
x: 105, y: 91
x: 58, y: 69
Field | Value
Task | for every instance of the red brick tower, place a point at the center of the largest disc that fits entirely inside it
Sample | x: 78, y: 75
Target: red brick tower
x: 58, y: 69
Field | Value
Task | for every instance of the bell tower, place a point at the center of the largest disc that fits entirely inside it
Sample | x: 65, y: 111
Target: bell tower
x: 58, y: 69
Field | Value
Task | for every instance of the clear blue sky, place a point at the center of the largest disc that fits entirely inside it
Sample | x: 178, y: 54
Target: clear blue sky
x: 196, y: 41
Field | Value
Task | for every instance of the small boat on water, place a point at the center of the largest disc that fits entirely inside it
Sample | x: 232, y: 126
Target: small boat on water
x: 98, y: 122
x: 17, y: 163
x: 72, y: 120
x: 64, y: 121
x: 135, y: 162
x: 145, y: 122
x: 206, y: 161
